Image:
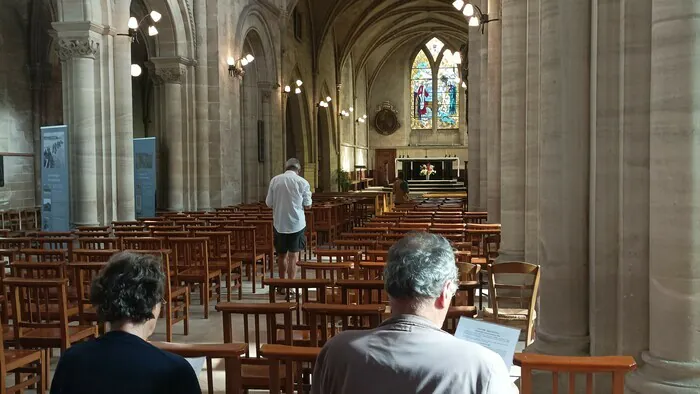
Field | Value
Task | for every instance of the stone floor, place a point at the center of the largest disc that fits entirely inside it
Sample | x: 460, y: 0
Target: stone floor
x: 210, y: 331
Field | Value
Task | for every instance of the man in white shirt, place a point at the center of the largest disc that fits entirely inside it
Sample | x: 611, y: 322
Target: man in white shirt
x: 409, y: 353
x: 287, y: 195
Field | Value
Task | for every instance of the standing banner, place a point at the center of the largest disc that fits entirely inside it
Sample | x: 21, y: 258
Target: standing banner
x: 55, y: 179
x: 145, y: 177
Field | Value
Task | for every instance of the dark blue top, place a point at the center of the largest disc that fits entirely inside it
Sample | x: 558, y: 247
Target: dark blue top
x: 118, y: 363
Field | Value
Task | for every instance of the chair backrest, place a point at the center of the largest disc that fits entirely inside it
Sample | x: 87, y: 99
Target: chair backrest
x: 243, y: 239
x: 98, y: 243
x: 38, y: 270
x: 92, y: 234
x: 617, y: 366
x: 33, y: 300
x: 330, y: 319
x: 42, y: 255
x: 56, y: 243
x: 336, y: 256
x: 139, y: 243
x: 523, y: 295
x: 363, y: 291
x: 190, y: 252
x: 84, y: 273
x: 93, y: 255
x: 256, y: 310
x: 290, y: 356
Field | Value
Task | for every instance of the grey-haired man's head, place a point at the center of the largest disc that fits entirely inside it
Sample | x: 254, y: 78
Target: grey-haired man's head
x: 293, y: 165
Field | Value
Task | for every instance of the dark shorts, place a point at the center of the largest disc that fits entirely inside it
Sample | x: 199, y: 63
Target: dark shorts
x: 290, y: 243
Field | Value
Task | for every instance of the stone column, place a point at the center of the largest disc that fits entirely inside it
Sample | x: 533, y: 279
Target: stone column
x: 483, y: 116
x: 268, y: 141
x: 672, y: 364
x: 474, y: 120
x: 494, y: 115
x: 532, y: 130
x: 123, y: 117
x: 564, y: 178
x: 202, y: 109
x: 172, y: 77
x: 513, y: 106
x: 79, y: 56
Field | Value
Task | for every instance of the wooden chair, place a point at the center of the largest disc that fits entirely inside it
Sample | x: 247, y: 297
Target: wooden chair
x: 64, y: 244
x: 41, y: 255
x: 255, y: 370
x: 511, y: 309
x: 307, y: 291
x: 617, y: 366
x: 244, y: 249
x: 288, y: 357
x: 85, y: 272
x: 177, y: 297
x: 331, y: 272
x: 230, y: 352
x: 29, y: 366
x: 323, y: 223
x: 191, y: 259
x: 220, y: 259
x: 94, y: 255
x: 310, y: 232
x: 330, y: 319
x: 337, y: 256
x: 372, y: 270
x: 363, y: 291
x: 34, y: 325
x: 264, y: 240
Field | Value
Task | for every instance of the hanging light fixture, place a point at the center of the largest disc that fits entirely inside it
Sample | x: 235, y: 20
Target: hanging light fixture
x: 249, y: 58
x: 476, y: 17
x: 328, y: 99
x: 235, y: 68
x: 155, y: 16
x: 152, y: 31
x: 297, y: 91
x: 458, y: 4
x: 468, y: 10
x: 299, y: 82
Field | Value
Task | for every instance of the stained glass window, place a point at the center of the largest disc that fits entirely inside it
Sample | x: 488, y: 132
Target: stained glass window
x: 448, y: 93
x: 435, y: 89
x: 422, y: 92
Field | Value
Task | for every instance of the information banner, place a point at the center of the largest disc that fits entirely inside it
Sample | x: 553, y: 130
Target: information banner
x: 145, y: 177
x: 55, y: 181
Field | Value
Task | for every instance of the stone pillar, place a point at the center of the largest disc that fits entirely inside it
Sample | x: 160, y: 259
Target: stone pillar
x: 172, y: 77
x: 513, y: 106
x: 268, y: 141
x: 474, y: 120
x: 483, y: 116
x: 493, y: 132
x: 123, y: 117
x: 202, y: 108
x: 79, y: 57
x: 672, y: 363
x: 564, y: 178
x: 532, y: 130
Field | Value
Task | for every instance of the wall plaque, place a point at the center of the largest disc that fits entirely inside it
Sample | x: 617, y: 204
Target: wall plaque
x: 386, y: 120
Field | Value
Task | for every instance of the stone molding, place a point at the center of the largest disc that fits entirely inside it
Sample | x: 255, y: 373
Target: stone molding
x: 77, y: 48
x: 172, y: 74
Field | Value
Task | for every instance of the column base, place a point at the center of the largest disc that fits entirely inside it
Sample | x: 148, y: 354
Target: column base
x: 661, y: 376
x: 510, y: 255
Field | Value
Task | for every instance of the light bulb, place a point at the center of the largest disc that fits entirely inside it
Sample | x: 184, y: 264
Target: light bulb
x: 244, y: 62
x: 473, y: 21
x: 155, y: 16
x: 135, y: 70
x: 458, y: 4
x: 464, y: 85
x: 287, y: 89
x: 352, y: 109
x: 297, y: 90
x: 468, y: 10
x: 457, y: 58
x: 152, y: 31
x: 230, y: 61
x: 328, y: 99
x: 299, y: 83
x: 249, y: 58
x: 448, y: 53
x: 133, y: 23
x: 364, y: 116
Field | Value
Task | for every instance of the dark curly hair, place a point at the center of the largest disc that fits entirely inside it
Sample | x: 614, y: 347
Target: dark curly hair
x: 128, y: 288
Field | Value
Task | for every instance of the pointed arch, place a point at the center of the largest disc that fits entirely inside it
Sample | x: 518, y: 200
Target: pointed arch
x: 435, y: 84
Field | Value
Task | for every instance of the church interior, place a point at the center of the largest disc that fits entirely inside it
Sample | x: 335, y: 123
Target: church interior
x: 559, y: 134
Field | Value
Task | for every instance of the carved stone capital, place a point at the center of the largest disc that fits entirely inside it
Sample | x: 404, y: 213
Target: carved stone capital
x: 171, y: 74
x: 80, y: 48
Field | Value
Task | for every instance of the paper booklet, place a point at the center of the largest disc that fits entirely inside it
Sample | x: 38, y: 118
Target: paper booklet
x: 498, y: 338
x: 197, y: 364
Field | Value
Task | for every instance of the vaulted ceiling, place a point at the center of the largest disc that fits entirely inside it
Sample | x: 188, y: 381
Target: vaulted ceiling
x: 371, y: 30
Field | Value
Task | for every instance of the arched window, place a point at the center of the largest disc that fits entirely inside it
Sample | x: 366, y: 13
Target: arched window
x: 435, y: 83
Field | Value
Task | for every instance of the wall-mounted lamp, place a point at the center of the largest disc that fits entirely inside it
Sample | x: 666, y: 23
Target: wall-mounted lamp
x: 476, y: 17
x: 323, y: 104
x: 287, y: 89
x: 133, y: 25
x: 464, y: 85
x: 297, y: 90
x: 135, y: 70
x: 352, y: 109
x: 344, y: 114
x: 362, y: 119
x: 235, y: 68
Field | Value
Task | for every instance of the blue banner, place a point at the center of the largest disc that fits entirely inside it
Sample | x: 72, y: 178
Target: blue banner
x: 55, y: 181
x: 145, y: 177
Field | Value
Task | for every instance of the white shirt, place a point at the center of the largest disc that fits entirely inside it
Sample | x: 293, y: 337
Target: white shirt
x: 287, y: 195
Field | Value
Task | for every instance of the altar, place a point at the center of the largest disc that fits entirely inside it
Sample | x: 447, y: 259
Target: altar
x: 444, y: 167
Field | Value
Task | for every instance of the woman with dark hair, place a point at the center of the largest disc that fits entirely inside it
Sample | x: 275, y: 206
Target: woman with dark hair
x: 128, y: 294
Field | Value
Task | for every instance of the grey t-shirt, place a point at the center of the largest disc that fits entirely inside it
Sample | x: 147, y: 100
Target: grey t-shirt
x: 408, y: 354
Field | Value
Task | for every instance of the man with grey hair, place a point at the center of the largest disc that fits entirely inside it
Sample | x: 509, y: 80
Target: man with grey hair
x: 287, y: 195
x: 409, y: 353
